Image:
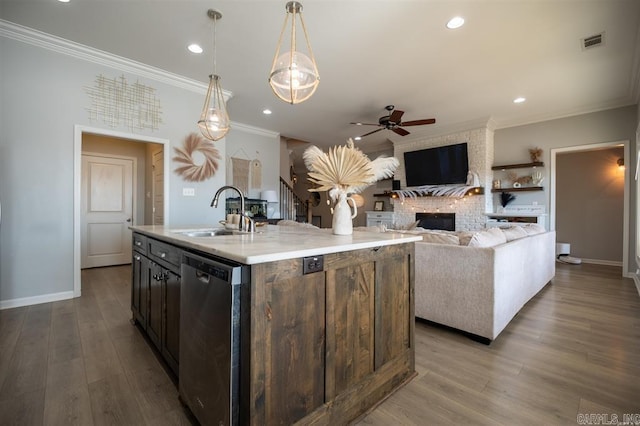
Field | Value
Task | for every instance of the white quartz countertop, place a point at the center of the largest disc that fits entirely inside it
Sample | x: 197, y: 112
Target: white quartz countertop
x: 273, y: 243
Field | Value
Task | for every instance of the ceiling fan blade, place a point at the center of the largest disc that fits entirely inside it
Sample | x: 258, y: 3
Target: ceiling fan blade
x: 367, y: 134
x: 401, y: 131
x: 395, y: 116
x: 419, y: 122
x: 365, y: 124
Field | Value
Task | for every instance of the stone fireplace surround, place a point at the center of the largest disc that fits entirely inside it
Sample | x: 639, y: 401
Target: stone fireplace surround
x: 470, y: 211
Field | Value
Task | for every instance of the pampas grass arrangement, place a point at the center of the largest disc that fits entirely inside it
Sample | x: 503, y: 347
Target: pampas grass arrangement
x: 345, y: 169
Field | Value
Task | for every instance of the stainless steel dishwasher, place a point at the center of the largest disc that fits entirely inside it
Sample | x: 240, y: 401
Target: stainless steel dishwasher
x: 210, y: 311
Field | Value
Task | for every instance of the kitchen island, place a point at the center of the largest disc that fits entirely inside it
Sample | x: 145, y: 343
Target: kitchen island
x: 326, y: 321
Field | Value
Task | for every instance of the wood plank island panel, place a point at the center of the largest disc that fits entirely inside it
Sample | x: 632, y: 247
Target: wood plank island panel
x: 315, y: 338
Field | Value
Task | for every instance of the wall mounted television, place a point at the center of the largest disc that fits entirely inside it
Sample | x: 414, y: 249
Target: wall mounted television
x: 443, y: 165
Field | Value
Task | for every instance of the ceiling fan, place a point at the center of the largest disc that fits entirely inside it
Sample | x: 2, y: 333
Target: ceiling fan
x: 394, y: 123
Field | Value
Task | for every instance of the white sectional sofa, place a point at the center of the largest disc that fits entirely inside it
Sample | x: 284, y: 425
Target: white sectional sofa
x: 480, y: 289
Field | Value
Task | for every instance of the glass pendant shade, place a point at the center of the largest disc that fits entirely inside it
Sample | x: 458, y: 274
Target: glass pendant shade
x: 294, y: 75
x: 214, y: 120
x: 294, y: 79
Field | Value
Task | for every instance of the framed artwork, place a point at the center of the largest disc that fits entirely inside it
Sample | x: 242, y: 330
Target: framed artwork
x: 378, y: 206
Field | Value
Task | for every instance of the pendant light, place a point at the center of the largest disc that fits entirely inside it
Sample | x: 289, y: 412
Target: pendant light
x: 294, y: 75
x: 214, y: 120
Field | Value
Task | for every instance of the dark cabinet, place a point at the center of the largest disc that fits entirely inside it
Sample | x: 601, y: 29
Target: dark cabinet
x: 139, y: 287
x: 170, y: 342
x: 155, y: 295
x: 154, y: 323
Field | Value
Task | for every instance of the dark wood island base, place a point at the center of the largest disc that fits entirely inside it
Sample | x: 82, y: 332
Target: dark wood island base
x: 329, y: 346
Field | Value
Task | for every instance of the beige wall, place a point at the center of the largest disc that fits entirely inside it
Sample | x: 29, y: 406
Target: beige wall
x: 612, y: 125
x: 590, y: 203
x: 122, y: 147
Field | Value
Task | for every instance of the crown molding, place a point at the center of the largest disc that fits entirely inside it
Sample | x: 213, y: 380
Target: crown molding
x: 254, y: 130
x: 533, y: 119
x: 50, y: 42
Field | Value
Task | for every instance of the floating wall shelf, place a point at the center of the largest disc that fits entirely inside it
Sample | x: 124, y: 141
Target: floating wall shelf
x: 522, y: 188
x: 518, y: 166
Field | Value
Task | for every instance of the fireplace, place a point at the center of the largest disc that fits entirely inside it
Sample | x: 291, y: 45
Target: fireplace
x: 444, y: 221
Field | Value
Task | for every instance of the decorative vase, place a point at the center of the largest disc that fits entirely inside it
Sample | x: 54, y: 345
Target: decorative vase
x: 342, y: 215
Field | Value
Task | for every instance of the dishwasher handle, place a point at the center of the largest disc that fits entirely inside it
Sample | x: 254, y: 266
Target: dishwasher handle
x: 203, y: 277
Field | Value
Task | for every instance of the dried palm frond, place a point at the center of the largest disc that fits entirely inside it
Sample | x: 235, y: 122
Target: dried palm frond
x: 341, y: 167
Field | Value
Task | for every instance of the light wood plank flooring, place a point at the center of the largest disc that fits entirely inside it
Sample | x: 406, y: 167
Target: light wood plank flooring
x: 575, y: 348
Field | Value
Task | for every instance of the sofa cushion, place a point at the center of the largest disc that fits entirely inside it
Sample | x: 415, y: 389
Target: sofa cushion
x: 489, y: 238
x: 533, y: 228
x: 436, y: 237
x: 514, y: 232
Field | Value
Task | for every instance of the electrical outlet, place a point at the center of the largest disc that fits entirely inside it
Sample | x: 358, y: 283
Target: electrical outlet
x: 189, y: 192
x: 312, y: 264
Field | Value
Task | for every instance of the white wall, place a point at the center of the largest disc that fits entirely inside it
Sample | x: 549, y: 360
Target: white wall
x: 512, y: 144
x: 43, y: 97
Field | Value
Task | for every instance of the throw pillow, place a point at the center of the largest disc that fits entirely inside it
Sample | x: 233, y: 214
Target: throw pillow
x: 489, y: 238
x: 465, y: 237
x: 514, y: 232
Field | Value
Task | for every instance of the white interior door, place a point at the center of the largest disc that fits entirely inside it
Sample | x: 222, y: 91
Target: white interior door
x: 158, y: 187
x: 107, y: 211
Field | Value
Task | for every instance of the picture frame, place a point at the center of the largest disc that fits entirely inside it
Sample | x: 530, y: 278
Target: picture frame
x: 378, y: 206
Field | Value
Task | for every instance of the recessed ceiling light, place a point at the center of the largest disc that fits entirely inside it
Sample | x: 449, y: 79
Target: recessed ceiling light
x: 266, y: 111
x: 194, y: 48
x: 358, y: 138
x: 63, y: 1
x: 455, y: 22
x: 519, y: 100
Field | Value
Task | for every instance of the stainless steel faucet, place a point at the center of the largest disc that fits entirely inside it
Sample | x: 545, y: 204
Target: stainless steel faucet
x: 246, y: 223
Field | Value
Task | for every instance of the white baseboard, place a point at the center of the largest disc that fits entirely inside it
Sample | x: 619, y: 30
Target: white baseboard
x: 602, y: 262
x: 35, y: 300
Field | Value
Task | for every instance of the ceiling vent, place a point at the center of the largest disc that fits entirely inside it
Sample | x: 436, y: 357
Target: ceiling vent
x: 592, y: 41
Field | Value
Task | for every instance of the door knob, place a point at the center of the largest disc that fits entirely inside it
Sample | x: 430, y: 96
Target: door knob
x: 129, y: 220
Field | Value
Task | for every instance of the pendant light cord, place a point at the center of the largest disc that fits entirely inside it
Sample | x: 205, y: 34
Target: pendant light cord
x: 215, y: 20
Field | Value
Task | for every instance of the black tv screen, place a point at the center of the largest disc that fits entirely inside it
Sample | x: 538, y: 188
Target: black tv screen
x: 442, y: 165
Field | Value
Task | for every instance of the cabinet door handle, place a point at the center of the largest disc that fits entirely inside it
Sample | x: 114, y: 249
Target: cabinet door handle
x: 137, y: 258
x: 138, y: 243
x: 163, y: 254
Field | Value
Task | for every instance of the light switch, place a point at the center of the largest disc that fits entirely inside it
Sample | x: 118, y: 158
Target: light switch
x: 189, y: 192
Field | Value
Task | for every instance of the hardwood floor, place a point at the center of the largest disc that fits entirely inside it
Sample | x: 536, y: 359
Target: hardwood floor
x: 573, y: 349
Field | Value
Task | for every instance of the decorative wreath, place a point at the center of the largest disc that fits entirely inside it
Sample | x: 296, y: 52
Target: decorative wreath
x: 191, y: 171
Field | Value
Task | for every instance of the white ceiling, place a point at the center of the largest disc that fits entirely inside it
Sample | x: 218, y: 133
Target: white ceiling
x: 374, y: 53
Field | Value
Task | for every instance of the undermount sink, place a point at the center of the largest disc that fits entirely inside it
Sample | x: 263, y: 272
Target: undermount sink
x: 206, y: 233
